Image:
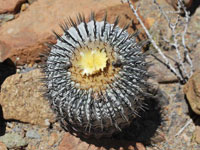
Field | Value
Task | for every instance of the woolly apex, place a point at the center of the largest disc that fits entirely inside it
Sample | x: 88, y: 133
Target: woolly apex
x: 96, y: 77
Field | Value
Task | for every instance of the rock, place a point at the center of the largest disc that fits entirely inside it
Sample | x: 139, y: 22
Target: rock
x: 161, y: 73
x: 192, y: 92
x: 150, y: 21
x: 32, y: 134
x: 191, y: 6
x: 13, y: 140
x: 139, y: 146
x: 7, y: 68
x: 17, y: 129
x: 23, y: 39
x: 187, y: 3
x: 197, y: 134
x: 10, y: 6
x: 24, y: 6
x: 71, y: 142
x: 22, y: 100
x: 2, y: 146
x: 6, y: 17
x: 53, y: 139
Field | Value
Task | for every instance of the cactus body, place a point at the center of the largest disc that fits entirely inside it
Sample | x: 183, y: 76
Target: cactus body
x: 96, y: 77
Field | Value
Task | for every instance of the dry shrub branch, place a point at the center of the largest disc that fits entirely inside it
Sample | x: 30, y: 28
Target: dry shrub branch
x: 180, y: 65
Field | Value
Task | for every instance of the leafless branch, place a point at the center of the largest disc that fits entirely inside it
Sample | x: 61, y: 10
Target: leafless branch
x: 172, y: 69
x: 183, y: 128
x: 179, y: 67
x: 186, y: 52
x: 173, y: 27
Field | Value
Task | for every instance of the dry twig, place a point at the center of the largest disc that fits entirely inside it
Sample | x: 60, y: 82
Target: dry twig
x: 179, y: 67
x: 183, y: 128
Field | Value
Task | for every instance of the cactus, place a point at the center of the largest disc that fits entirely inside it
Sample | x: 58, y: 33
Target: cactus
x: 96, y: 77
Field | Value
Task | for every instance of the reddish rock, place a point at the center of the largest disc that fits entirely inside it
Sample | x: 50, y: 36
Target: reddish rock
x: 21, y: 99
x: 70, y: 142
x: 23, y: 39
x: 53, y: 139
x: 192, y: 92
x: 10, y: 6
x: 140, y: 146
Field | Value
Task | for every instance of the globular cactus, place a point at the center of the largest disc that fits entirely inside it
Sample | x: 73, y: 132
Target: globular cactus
x: 96, y: 77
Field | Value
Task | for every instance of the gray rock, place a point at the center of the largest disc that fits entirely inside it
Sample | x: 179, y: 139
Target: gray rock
x: 6, y: 17
x: 32, y: 134
x: 17, y: 129
x: 13, y: 140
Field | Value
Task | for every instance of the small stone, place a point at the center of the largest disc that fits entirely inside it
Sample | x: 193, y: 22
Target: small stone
x: 53, y: 139
x: 24, y: 6
x: 30, y: 65
x: 150, y: 21
x: 31, y: 147
x: 32, y: 134
x: 192, y: 92
x: 186, y: 138
x: 13, y: 140
x: 69, y: 141
x: 6, y: 17
x: 47, y: 123
x: 158, y: 138
x: 18, y: 70
x: 18, y: 129
x: 131, y: 148
x: 2, y: 146
x: 140, y: 146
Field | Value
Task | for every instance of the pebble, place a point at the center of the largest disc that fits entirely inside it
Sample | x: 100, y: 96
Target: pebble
x: 6, y: 17
x: 32, y: 134
x: 17, y: 129
x: 140, y: 146
x: 31, y: 147
x: 26, y: 68
x: 13, y: 140
x: 47, y: 123
x: 53, y: 139
x: 24, y: 6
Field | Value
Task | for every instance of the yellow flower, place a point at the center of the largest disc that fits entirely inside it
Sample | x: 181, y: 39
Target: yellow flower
x: 92, y: 62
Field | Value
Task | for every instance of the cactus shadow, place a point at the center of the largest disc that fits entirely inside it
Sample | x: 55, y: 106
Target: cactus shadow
x: 2, y: 123
x: 195, y: 117
x: 194, y: 6
x: 143, y: 129
x: 7, y: 68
